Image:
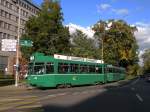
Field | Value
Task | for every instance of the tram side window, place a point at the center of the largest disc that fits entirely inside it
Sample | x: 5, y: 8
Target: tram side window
x: 49, y: 68
x: 105, y: 70
x: 98, y: 70
x: 92, y: 69
x: 74, y: 68
x: 63, y: 67
x: 117, y: 70
x: 110, y: 70
x: 39, y: 68
x: 84, y: 69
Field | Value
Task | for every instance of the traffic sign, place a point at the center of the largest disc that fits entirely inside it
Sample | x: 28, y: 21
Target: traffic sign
x: 27, y: 43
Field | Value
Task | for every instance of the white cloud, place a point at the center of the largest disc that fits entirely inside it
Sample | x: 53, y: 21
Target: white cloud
x: 107, y: 7
x: 121, y: 11
x: 103, y: 7
x: 143, y: 35
x: 143, y: 38
x: 87, y: 30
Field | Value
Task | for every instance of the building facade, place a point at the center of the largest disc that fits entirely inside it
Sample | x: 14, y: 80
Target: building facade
x: 9, y: 14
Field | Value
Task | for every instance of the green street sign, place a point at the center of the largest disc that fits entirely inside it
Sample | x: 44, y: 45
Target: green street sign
x: 27, y: 43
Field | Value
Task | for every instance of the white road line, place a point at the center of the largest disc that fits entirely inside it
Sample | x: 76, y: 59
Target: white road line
x: 76, y: 93
x: 131, y: 84
x: 135, y: 82
x: 84, y: 92
x: 52, y: 95
x: 132, y: 88
x: 61, y: 94
x: 139, y: 97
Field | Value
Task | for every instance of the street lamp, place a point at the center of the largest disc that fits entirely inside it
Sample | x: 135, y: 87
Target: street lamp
x: 17, y: 45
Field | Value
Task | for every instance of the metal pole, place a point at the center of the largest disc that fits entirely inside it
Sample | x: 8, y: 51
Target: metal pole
x: 17, y: 50
x: 102, y: 49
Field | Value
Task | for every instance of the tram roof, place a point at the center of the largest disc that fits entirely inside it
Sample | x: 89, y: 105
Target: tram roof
x: 40, y: 57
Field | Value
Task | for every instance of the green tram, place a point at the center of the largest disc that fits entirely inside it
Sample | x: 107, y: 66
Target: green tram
x: 66, y: 71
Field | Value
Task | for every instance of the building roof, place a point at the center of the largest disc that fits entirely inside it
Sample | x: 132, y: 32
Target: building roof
x: 33, y: 3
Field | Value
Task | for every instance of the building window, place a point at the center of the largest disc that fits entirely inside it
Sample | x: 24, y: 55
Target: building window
x: 1, y: 35
x: 0, y: 12
x: 1, y: 24
x: 3, y: 13
x: 4, y: 35
x: 10, y: 6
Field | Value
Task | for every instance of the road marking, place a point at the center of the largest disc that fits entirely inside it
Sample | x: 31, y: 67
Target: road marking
x: 84, y: 92
x: 139, y: 97
x: 133, y: 83
x: 76, y: 93
x: 61, y: 94
x: 53, y: 95
x: 132, y: 88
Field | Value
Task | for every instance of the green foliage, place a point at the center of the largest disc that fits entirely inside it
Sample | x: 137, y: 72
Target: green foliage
x: 47, y: 32
x: 83, y: 46
x: 146, y: 61
x: 119, y: 43
x: 133, y: 70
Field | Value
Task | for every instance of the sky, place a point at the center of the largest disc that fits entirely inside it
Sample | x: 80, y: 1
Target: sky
x: 82, y: 14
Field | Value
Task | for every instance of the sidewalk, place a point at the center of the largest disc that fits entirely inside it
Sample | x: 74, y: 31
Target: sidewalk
x: 18, y: 99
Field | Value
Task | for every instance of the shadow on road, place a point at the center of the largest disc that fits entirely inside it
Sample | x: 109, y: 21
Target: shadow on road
x: 121, y: 99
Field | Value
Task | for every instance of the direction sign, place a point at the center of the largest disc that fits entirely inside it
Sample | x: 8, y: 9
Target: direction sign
x: 27, y: 43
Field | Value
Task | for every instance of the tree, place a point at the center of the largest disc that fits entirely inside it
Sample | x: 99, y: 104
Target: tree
x: 83, y: 46
x: 47, y: 32
x: 146, y: 61
x: 120, y: 46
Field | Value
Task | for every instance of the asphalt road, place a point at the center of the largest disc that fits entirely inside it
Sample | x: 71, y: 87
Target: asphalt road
x: 116, y: 97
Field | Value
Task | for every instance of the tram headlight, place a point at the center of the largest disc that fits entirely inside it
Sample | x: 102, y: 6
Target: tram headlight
x: 31, y: 58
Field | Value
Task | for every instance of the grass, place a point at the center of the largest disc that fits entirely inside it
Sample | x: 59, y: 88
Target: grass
x: 6, y: 80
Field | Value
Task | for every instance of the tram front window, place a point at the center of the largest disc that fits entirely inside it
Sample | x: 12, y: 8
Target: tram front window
x: 39, y: 68
x: 30, y: 68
